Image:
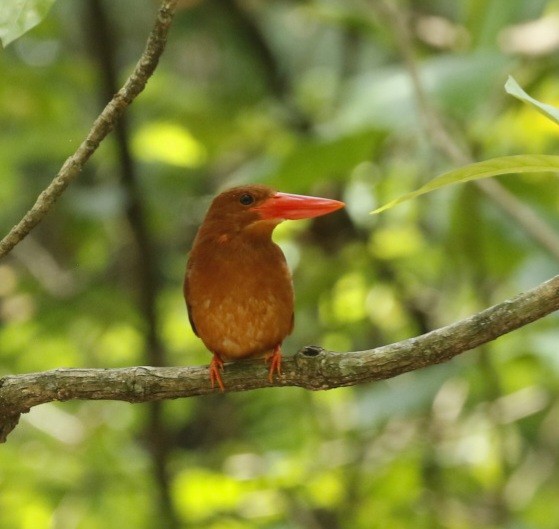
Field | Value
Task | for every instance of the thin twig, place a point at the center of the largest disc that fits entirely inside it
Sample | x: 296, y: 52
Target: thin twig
x: 100, y: 129
x: 311, y: 368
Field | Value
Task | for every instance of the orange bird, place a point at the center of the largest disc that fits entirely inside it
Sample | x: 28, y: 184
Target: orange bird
x: 238, y: 288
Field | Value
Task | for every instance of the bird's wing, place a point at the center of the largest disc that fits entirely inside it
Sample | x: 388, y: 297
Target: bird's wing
x: 186, y: 297
x: 191, y: 320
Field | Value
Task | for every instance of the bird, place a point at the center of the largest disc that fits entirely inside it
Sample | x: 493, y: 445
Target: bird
x: 237, y: 287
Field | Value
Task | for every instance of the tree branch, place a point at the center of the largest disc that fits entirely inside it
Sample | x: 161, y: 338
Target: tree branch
x: 100, y: 129
x: 311, y: 368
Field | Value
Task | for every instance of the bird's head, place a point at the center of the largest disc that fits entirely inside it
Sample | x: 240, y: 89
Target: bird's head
x: 261, y: 208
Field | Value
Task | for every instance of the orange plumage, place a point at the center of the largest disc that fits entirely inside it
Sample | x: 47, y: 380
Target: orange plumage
x: 238, y: 288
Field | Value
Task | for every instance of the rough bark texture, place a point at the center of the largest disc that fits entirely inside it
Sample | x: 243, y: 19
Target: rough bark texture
x: 312, y: 367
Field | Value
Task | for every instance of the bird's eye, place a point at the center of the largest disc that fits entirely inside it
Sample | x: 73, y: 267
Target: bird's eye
x: 247, y: 199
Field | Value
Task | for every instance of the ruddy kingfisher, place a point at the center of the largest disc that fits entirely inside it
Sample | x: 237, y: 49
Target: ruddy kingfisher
x: 237, y: 287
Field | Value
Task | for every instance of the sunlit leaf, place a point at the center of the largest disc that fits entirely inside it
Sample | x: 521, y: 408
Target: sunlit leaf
x: 514, y: 89
x: 168, y: 143
x: 19, y: 16
x: 524, y: 163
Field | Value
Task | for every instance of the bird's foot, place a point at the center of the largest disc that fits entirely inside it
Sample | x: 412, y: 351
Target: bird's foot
x: 216, y: 365
x: 274, y: 358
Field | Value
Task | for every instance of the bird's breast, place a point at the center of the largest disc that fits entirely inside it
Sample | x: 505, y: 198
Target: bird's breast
x: 240, y: 299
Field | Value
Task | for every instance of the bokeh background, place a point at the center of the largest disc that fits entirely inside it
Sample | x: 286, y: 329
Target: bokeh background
x: 355, y: 100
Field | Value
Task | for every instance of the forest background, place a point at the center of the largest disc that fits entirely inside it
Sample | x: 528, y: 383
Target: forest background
x: 356, y: 100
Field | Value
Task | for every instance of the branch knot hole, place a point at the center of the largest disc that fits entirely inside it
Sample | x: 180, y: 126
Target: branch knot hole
x: 310, y: 351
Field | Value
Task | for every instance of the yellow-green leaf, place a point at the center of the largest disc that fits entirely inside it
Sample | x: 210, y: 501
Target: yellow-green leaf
x: 549, y: 111
x: 523, y: 163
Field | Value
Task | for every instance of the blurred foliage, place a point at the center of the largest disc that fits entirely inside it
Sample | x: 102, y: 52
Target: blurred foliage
x: 308, y: 96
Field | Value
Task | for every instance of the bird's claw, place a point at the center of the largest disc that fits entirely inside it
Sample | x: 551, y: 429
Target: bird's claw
x: 274, y: 358
x: 216, y: 365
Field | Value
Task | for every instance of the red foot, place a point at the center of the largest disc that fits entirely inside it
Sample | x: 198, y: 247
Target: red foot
x: 216, y: 365
x: 275, y: 362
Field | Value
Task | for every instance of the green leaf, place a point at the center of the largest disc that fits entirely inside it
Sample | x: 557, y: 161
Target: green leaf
x: 523, y: 163
x: 19, y: 16
x: 514, y: 89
